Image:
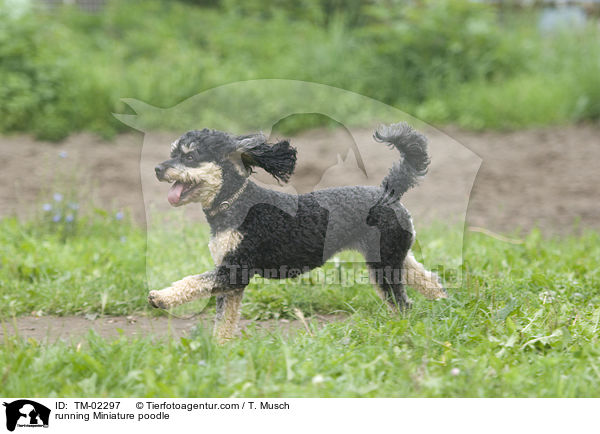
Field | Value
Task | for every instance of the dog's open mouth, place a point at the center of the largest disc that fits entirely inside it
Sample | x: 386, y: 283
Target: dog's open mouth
x: 179, y: 190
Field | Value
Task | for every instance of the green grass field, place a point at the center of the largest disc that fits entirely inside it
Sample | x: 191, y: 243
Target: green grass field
x: 525, y: 322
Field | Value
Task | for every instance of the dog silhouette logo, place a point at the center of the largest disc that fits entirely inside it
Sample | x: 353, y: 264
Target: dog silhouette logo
x: 26, y: 413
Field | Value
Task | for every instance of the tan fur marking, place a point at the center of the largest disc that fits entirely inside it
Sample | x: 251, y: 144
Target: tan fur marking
x: 183, y: 290
x: 240, y: 170
x: 226, y: 324
x: 236, y: 159
x: 223, y: 243
x: 209, y: 175
x: 176, y: 173
x: 424, y: 281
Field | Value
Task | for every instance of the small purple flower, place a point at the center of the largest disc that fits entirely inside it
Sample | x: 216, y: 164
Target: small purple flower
x: 47, y: 207
x: 69, y: 218
x: 74, y: 206
x: 63, y: 154
x: 58, y: 197
x: 56, y: 218
x: 455, y: 372
x: 119, y: 215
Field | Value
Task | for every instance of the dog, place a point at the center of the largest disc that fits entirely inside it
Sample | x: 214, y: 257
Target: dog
x: 258, y: 231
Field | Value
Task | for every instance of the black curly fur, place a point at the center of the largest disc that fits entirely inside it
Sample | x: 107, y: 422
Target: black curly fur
x: 412, y: 145
x: 279, y: 159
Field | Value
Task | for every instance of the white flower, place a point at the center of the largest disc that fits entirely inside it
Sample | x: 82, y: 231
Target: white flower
x: 455, y: 372
x: 318, y: 379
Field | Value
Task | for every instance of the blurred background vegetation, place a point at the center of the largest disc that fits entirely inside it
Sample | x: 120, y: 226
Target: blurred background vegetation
x: 480, y: 66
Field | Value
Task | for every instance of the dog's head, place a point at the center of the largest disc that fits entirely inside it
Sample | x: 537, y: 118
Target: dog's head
x: 202, y: 161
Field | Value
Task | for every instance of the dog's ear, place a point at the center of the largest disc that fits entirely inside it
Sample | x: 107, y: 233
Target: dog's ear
x: 278, y: 159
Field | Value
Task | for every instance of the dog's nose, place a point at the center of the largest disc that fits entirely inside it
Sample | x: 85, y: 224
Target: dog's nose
x: 160, y: 171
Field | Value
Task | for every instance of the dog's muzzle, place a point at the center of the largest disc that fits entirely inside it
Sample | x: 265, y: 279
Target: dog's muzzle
x: 160, y: 172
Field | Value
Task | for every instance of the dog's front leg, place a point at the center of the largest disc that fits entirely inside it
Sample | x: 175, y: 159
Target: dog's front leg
x: 228, y: 315
x: 184, y: 290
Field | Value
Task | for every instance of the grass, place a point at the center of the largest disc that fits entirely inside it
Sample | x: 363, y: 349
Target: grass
x: 525, y: 322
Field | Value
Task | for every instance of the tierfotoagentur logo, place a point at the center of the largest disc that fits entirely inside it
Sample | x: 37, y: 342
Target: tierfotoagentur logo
x: 25, y: 413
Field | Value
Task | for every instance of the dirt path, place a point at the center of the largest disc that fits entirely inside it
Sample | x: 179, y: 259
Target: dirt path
x: 74, y: 328
x: 546, y: 177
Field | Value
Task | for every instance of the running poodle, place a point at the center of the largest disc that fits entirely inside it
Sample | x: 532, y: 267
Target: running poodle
x: 257, y: 231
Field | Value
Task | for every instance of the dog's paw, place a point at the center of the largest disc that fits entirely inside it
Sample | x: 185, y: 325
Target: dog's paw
x: 440, y: 293
x: 156, y: 301
x: 432, y: 292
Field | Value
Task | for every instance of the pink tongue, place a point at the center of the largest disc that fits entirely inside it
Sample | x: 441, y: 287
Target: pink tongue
x: 175, y: 193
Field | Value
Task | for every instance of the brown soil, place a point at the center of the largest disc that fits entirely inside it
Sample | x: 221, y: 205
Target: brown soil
x: 74, y: 328
x: 541, y: 177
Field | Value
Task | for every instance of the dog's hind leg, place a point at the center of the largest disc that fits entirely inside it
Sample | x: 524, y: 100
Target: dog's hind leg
x: 228, y: 315
x: 387, y: 284
x: 424, y: 281
x: 386, y: 273
x: 384, y: 256
x: 184, y: 290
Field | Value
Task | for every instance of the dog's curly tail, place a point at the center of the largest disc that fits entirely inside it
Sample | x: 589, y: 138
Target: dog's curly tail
x: 412, y: 145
